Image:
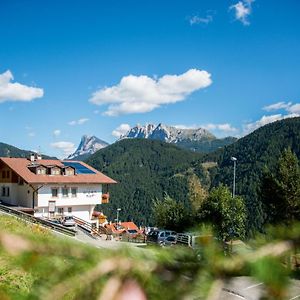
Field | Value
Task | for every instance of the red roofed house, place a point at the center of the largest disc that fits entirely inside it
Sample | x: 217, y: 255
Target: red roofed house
x: 52, y: 187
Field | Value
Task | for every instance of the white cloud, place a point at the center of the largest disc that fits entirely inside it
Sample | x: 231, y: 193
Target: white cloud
x: 242, y: 10
x: 66, y: 147
x: 121, y: 130
x: 294, y: 109
x: 140, y: 94
x: 15, y: 91
x: 180, y: 126
x: 277, y: 106
x: 200, y: 20
x: 264, y: 120
x: 57, y: 132
x: 78, y: 122
x: 225, y: 127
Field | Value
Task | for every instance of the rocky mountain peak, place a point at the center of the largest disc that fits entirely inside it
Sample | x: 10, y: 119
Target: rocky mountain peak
x: 88, y: 145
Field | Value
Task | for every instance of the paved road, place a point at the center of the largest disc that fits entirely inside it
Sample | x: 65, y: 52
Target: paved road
x: 83, y: 237
x: 247, y: 288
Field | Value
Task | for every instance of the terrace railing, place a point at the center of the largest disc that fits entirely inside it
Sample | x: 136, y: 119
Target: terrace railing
x: 29, y: 218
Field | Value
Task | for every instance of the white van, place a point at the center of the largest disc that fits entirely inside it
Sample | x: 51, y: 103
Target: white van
x: 192, y: 240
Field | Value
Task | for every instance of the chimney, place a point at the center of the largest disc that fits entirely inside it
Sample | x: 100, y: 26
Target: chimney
x: 39, y: 156
x: 32, y: 157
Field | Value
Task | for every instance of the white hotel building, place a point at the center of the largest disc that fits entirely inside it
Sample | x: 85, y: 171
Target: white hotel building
x: 47, y: 188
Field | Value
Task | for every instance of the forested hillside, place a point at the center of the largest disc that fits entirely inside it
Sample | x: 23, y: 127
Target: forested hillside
x: 146, y: 170
x: 11, y: 151
x: 255, y: 153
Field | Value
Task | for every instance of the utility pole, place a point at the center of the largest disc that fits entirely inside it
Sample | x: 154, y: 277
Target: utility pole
x: 118, y: 209
x: 234, y: 159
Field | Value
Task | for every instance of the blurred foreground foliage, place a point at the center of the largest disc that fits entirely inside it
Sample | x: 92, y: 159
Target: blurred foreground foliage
x: 34, y: 264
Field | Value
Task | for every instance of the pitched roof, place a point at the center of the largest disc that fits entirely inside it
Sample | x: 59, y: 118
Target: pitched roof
x: 20, y: 166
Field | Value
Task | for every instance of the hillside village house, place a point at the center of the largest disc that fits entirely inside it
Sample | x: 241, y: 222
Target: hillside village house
x: 48, y: 188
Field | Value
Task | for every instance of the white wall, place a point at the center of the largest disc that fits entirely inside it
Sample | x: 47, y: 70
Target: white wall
x: 18, y: 194
x: 80, y: 211
x: 86, y: 195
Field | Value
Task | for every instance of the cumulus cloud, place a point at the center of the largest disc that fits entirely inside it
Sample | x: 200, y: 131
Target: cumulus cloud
x: 56, y: 132
x: 141, y: 94
x: 277, y: 106
x: 294, y: 109
x: 78, y: 122
x: 14, y: 91
x: 242, y: 10
x: 225, y: 127
x: 121, y: 130
x: 264, y: 120
x: 200, y: 20
x: 67, y: 148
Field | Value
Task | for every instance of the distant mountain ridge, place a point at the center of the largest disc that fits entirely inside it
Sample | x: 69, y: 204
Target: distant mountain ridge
x: 88, y: 146
x: 7, y: 150
x: 199, y: 139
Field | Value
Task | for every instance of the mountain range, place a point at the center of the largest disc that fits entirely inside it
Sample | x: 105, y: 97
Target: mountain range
x: 199, y: 139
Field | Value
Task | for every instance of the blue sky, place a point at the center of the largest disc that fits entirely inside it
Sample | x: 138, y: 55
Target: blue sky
x: 69, y: 68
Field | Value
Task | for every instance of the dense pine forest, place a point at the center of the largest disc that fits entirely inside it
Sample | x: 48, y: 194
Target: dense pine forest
x: 148, y: 170
x: 256, y: 153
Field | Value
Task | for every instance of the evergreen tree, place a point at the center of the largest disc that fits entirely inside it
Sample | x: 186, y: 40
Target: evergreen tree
x: 281, y: 191
x: 170, y: 214
x: 227, y: 214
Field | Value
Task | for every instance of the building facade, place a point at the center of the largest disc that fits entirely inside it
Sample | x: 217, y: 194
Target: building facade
x: 50, y: 188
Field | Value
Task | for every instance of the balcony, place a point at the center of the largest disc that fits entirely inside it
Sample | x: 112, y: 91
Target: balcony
x: 105, y: 198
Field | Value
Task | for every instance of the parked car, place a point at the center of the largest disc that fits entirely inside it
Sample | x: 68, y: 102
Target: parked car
x: 68, y: 221
x: 157, y: 236
x: 55, y: 221
x: 168, y: 241
x: 193, y: 240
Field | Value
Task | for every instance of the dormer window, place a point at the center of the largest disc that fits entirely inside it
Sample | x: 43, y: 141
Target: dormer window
x: 55, y: 171
x: 41, y: 171
x: 69, y: 171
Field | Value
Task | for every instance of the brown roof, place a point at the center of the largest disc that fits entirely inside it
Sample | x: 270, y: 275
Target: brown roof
x: 20, y: 166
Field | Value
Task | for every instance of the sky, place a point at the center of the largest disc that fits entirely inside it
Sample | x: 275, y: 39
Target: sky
x: 69, y: 68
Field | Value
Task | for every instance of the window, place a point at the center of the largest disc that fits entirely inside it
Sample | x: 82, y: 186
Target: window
x: 54, y: 192
x: 55, y: 171
x: 7, y: 174
x: 5, y: 191
x: 69, y: 171
x: 60, y: 210
x: 74, y: 192
x: 41, y: 171
x: 65, y: 192
x: 3, y: 174
x: 69, y: 210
